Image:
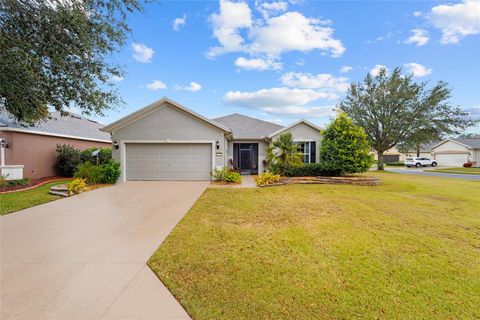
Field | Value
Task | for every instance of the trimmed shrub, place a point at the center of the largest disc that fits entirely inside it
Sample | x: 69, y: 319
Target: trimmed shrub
x: 68, y: 158
x: 468, y: 164
x: 104, y: 156
x: 76, y: 186
x: 110, y: 172
x: 267, y: 178
x: 89, y: 172
x: 344, y: 148
x: 395, y: 164
x: 309, y: 170
x: 9, y: 183
x: 227, y: 175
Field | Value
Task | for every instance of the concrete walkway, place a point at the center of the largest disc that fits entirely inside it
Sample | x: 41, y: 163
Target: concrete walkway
x: 84, y: 257
x: 247, y: 182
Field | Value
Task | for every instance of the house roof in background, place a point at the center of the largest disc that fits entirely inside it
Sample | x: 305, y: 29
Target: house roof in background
x: 247, y: 127
x: 471, y: 142
x: 69, y: 126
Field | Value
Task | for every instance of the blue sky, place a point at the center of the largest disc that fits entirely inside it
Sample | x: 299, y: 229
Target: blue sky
x: 285, y: 60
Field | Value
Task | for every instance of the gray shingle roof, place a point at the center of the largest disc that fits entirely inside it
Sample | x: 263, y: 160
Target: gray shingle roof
x: 472, y: 142
x: 247, y: 127
x: 71, y: 125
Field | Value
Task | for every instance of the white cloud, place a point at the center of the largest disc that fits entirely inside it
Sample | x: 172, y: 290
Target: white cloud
x: 156, y: 85
x: 226, y: 24
x: 178, y: 22
x: 142, y: 53
x: 376, y: 70
x: 419, y: 37
x: 257, y: 64
x: 302, y: 111
x: 271, y: 8
x: 270, y: 36
x: 322, y: 81
x: 300, y: 62
x: 417, y: 69
x: 417, y: 13
x: 274, y: 97
x: 456, y: 21
x: 345, y: 69
x: 294, y: 32
x: 281, y: 102
x: 193, y: 87
x: 116, y: 78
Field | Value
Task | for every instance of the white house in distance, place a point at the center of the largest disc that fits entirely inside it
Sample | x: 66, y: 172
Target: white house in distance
x: 456, y: 152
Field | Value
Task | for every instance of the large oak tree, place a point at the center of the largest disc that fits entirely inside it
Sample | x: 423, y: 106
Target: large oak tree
x: 392, y: 108
x: 57, y: 53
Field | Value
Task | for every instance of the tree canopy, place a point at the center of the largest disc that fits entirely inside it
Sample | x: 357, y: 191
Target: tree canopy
x: 394, y: 109
x: 344, y: 148
x: 57, y: 53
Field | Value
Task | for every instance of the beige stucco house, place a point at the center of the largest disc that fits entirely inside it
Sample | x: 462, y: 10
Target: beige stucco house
x: 167, y: 141
x: 456, y: 152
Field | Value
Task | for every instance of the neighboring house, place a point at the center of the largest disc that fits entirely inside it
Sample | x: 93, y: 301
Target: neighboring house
x: 456, y: 152
x: 29, y: 151
x: 394, y: 155
x: 167, y: 141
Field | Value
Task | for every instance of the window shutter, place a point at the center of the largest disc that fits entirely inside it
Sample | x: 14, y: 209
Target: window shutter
x: 313, y: 152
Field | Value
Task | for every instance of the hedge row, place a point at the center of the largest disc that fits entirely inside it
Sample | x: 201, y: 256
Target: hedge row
x: 309, y: 169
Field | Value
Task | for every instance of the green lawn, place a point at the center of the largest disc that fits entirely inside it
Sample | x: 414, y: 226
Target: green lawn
x: 408, y: 249
x: 460, y: 170
x: 15, y: 201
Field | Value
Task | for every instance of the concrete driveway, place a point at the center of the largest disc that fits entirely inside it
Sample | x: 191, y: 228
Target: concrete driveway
x: 84, y: 257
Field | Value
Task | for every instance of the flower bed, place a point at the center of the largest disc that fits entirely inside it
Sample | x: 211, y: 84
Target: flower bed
x: 34, y: 183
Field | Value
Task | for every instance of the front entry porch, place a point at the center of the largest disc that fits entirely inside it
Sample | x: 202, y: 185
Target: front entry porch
x: 245, y: 158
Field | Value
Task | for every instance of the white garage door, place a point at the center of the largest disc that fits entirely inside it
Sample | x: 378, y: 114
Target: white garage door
x: 451, y: 159
x: 168, y: 161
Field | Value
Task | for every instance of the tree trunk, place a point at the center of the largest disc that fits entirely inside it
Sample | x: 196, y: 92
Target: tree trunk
x: 418, y: 149
x: 380, y: 160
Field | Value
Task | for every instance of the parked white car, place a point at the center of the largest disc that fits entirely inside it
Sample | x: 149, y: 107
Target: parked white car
x: 419, y: 162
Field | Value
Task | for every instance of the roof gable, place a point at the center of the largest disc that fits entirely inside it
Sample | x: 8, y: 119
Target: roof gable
x: 154, y: 106
x: 247, y: 127
x: 469, y: 143
x: 308, y: 123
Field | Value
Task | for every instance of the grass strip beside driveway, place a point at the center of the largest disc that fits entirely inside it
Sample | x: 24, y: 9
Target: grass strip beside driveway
x: 15, y: 201
x: 408, y: 248
x: 457, y: 170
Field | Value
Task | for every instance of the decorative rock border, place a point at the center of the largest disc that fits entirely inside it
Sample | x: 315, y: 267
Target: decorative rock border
x: 353, y: 180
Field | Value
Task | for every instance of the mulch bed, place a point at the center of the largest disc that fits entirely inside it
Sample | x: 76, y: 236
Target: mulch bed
x: 353, y: 180
x: 32, y: 184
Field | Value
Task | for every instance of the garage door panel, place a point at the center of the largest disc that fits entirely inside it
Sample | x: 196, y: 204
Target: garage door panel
x: 158, y: 161
x: 451, y: 159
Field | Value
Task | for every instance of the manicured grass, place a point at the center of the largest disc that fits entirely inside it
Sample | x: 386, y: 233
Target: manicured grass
x: 460, y: 170
x: 407, y: 249
x: 11, y: 202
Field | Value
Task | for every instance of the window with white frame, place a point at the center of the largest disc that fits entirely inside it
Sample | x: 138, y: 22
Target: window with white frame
x: 304, y: 148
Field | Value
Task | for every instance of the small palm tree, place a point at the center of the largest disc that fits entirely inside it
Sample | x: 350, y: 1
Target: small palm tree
x: 283, y: 153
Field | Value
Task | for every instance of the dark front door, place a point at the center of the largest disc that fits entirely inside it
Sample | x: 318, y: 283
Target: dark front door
x: 246, y: 157
x: 245, y: 161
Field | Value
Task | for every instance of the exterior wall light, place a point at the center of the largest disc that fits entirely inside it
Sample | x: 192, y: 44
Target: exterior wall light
x: 218, y: 145
x: 115, y: 144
